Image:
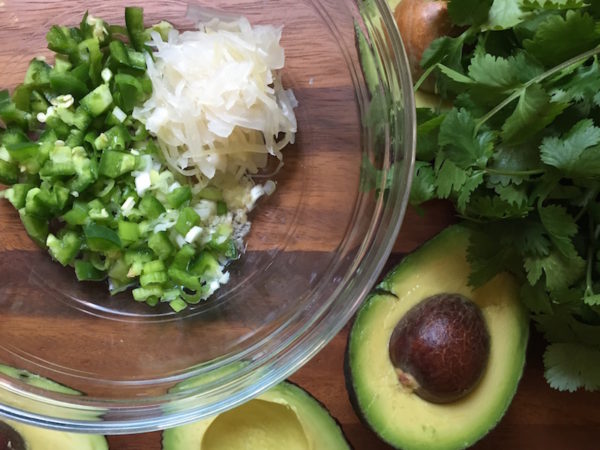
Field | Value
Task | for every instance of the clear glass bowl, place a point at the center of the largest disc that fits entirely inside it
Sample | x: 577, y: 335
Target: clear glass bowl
x: 315, y: 250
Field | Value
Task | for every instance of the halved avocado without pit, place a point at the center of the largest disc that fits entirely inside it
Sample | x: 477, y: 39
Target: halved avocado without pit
x: 284, y: 418
x: 19, y: 436
x: 412, y: 394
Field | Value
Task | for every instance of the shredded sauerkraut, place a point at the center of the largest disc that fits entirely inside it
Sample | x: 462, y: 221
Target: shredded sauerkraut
x: 218, y: 104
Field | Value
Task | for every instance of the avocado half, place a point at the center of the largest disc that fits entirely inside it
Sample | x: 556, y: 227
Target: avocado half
x: 19, y: 436
x: 399, y: 416
x: 284, y: 418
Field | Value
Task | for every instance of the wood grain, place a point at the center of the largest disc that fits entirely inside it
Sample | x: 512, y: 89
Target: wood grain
x: 539, y: 418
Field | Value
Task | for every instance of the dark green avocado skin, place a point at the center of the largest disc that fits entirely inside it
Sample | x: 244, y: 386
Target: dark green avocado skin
x: 322, y: 405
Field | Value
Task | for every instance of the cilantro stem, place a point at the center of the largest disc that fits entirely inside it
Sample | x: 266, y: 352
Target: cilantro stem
x: 589, y: 196
x: 515, y: 173
x: 594, y: 232
x: 538, y: 79
x: 424, y: 77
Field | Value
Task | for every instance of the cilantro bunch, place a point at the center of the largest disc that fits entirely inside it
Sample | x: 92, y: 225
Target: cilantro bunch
x: 518, y: 153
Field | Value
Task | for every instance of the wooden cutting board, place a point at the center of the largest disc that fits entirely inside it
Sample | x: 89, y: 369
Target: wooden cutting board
x: 539, y: 417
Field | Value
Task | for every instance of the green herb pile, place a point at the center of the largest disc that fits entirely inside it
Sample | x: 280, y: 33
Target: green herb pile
x: 518, y: 154
x: 90, y: 183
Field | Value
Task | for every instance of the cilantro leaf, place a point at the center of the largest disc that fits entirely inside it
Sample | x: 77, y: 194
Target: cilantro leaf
x: 572, y: 366
x: 450, y: 178
x: 535, y: 298
x: 557, y: 221
x: 576, y: 152
x: 444, y: 49
x: 460, y: 143
x: 560, y: 272
x: 487, y: 254
x: 529, y: 237
x: 512, y: 195
x: 427, y: 134
x: 561, y: 227
x: 592, y: 300
x: 582, y: 87
x: 504, y: 14
x: 423, y: 185
x: 552, y: 5
x: 488, y: 207
x: 474, y: 180
x: 533, y: 113
x: 468, y: 12
x: 512, y: 159
x: 558, y: 39
x: 505, y: 73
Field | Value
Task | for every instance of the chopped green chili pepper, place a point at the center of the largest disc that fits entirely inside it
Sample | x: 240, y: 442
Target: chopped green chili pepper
x: 134, y: 20
x: 37, y: 228
x: 9, y: 112
x: 179, y: 196
x: 82, y: 72
x: 153, y: 278
x: 129, y: 232
x: 62, y: 63
x: 63, y: 40
x: 187, y: 219
x: 85, y: 271
x: 130, y: 91
x: 205, y: 264
x: 89, y: 50
x: 77, y: 215
x: 37, y: 103
x: 64, y: 249
x: 78, y: 169
x: 100, y: 238
x: 143, y: 293
x: 9, y: 172
x: 119, y: 52
x: 183, y: 257
x: 40, y: 203
x: 21, y: 97
x: 38, y: 74
x: 184, y: 279
x: 17, y: 194
x: 221, y: 208
x: 66, y: 83
x: 151, y: 207
x: 178, y: 305
x: 114, y: 164
x: 161, y: 245
x: 97, y: 101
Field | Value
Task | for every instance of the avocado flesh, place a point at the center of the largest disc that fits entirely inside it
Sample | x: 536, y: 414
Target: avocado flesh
x: 285, y: 417
x: 36, y: 438
x: 401, y: 417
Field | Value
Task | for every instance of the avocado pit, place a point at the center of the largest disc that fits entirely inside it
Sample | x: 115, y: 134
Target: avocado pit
x: 10, y: 438
x: 440, y: 348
